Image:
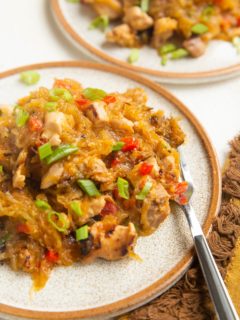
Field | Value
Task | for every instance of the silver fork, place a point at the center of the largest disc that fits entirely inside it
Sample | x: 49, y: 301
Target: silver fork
x: 220, y: 297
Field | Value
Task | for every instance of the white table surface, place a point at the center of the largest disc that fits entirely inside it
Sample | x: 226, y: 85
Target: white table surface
x: 28, y: 35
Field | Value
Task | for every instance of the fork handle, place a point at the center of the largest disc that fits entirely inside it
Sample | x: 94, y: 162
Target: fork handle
x: 219, y: 294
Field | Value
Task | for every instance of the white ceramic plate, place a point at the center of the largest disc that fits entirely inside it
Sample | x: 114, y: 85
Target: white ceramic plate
x: 221, y: 60
x: 108, y: 288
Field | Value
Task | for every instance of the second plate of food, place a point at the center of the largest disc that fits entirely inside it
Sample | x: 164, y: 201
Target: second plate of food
x: 89, y: 175
x: 170, y: 42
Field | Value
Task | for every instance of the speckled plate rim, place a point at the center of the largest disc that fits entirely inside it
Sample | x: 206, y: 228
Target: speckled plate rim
x: 172, y: 276
x: 164, y: 76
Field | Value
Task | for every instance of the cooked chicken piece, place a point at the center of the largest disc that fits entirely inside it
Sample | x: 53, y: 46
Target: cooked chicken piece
x: 96, y: 112
x: 163, y: 30
x: 52, y: 176
x: 123, y: 35
x: 155, y: 208
x: 110, y: 8
x: 111, y: 243
x: 158, y: 8
x: 96, y: 170
x: 19, y: 177
x: 90, y: 207
x: 195, y: 46
x: 122, y: 124
x: 54, y: 122
x: 138, y: 19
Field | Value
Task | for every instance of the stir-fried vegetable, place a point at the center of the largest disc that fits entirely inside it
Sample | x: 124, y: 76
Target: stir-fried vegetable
x: 123, y: 188
x: 82, y: 233
x: 145, y: 191
x: 61, y: 152
x: 199, y: 28
x: 94, y: 94
x: 118, y: 146
x: 58, y: 93
x: 45, y: 150
x: 22, y: 116
x: 30, y: 77
x: 58, y: 220
x: 75, y: 206
x: 179, y: 54
x: 134, y: 56
x: 88, y: 187
x: 100, y: 22
x: 41, y: 204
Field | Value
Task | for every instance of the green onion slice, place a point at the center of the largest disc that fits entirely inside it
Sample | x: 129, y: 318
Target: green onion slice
x: 88, y: 187
x: 94, y: 94
x: 82, y: 233
x: 100, y: 22
x: 45, y: 151
x: 167, y: 48
x: 164, y: 60
x: 41, y: 204
x: 207, y: 13
x: 236, y: 43
x: 22, y: 116
x: 1, y: 169
x: 50, y: 106
x: 123, y: 187
x: 75, y: 206
x: 118, y: 146
x: 199, y: 28
x: 30, y: 77
x: 57, y: 93
x: 73, y: 1
x: 144, y: 5
x: 134, y: 56
x: 61, y: 152
x: 179, y: 54
x: 145, y: 191
x: 58, y: 220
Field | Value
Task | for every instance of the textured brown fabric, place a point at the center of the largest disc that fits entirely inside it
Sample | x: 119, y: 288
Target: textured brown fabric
x: 188, y: 299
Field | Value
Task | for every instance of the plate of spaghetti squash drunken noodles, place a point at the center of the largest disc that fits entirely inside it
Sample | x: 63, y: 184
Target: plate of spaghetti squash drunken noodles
x: 89, y: 171
x: 169, y: 40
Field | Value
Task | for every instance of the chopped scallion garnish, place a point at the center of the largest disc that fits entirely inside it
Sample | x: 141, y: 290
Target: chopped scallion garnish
x: 30, y: 77
x: 118, y: 146
x: 1, y: 169
x: 88, y: 187
x: 94, y: 94
x: 207, y: 13
x: 144, y: 5
x: 58, y: 220
x: 45, y: 151
x: 199, y: 28
x: 50, y: 106
x: 22, y: 116
x: 100, y: 22
x: 134, y: 56
x: 75, y: 206
x: 57, y: 93
x: 167, y: 48
x: 236, y: 43
x: 123, y: 187
x: 179, y: 54
x: 145, y: 191
x: 82, y: 233
x: 60, y: 153
x: 41, y: 204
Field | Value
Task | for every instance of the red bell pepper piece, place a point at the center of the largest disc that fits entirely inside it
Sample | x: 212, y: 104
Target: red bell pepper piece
x: 35, y: 124
x: 109, y: 99
x: 52, y: 256
x: 145, y: 169
x: 130, y: 144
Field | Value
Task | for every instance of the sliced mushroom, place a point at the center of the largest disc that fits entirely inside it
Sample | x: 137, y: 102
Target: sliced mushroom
x: 52, y: 176
x: 137, y: 19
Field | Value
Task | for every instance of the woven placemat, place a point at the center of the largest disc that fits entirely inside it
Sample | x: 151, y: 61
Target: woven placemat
x: 188, y: 299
